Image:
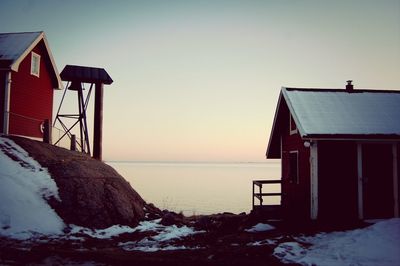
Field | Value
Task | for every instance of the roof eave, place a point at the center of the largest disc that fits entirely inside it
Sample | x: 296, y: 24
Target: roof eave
x: 299, y: 126
x: 15, y: 65
x: 274, y: 131
x: 269, y: 154
x: 60, y: 85
x: 17, y: 62
x: 385, y: 137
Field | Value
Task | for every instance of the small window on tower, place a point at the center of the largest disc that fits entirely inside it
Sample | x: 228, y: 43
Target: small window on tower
x: 35, y: 64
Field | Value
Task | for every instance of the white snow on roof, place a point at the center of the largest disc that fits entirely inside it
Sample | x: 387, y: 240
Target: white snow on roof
x: 374, y: 245
x: 13, y: 45
x: 335, y: 112
x: 24, y: 188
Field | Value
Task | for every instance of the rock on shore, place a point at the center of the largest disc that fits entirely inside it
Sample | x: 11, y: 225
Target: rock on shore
x: 92, y: 193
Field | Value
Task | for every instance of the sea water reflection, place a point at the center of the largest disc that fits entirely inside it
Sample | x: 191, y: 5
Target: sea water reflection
x: 197, y: 188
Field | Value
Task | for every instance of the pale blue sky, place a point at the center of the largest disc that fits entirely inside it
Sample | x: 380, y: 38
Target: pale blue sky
x: 199, y: 80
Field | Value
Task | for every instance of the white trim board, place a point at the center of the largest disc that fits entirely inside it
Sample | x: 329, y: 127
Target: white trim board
x: 314, y: 180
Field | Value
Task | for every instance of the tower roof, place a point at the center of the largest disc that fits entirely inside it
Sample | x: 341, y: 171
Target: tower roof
x: 85, y: 74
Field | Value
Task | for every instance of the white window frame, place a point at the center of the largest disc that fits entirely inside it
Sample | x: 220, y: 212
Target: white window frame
x: 35, y: 64
x: 292, y: 131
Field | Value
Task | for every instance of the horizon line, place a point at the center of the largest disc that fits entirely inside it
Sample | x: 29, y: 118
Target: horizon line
x: 195, y: 162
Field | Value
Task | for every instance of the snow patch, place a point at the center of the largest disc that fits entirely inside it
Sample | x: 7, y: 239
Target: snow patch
x: 153, y: 225
x: 149, y: 247
x: 174, y: 232
x: 377, y: 244
x: 263, y: 242
x: 107, y: 233
x: 260, y: 227
x: 24, y: 188
x: 161, y: 240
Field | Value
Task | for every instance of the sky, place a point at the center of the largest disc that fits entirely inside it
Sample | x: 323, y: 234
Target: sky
x: 200, y: 80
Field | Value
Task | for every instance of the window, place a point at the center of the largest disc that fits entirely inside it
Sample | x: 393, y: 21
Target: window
x: 294, y: 167
x: 35, y: 64
x: 292, y: 125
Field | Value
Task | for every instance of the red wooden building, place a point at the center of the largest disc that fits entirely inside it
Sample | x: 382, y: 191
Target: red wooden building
x: 339, y: 151
x: 28, y: 76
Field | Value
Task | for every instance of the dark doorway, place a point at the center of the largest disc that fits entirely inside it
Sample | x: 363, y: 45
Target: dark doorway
x: 294, y: 167
x: 337, y: 181
x: 377, y: 173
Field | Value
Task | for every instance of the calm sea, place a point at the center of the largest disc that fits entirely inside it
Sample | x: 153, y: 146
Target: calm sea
x: 197, y: 188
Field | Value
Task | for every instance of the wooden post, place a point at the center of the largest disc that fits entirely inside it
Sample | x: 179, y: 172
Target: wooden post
x: 252, y: 197
x: 360, y: 182
x: 395, y: 180
x: 6, y: 110
x: 98, y: 122
x: 47, y: 131
x: 73, y: 143
x: 314, y: 179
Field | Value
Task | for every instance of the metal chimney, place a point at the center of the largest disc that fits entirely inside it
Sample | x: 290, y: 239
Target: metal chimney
x: 349, y: 86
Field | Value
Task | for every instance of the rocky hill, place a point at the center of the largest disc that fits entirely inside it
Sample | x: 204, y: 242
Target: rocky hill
x: 92, y: 193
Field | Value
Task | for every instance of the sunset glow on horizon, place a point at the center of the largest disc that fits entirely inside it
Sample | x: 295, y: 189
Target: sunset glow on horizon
x: 200, y: 80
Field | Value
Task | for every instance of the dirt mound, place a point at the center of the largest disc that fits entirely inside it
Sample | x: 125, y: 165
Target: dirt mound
x: 92, y: 193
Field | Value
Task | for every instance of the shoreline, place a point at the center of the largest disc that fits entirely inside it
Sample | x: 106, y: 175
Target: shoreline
x: 269, y: 162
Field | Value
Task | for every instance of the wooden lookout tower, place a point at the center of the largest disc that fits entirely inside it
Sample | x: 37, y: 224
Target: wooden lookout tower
x: 76, y: 76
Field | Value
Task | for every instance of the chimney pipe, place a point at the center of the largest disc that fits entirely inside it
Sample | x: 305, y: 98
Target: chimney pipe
x: 349, y: 86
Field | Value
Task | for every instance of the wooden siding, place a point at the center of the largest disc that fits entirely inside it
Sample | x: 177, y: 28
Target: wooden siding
x: 296, y: 196
x: 31, y: 99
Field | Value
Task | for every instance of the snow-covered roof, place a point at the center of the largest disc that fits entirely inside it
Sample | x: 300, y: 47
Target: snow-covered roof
x: 319, y: 112
x: 14, y: 47
x: 337, y: 113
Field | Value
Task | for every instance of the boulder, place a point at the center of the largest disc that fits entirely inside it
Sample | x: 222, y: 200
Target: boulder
x: 92, y: 193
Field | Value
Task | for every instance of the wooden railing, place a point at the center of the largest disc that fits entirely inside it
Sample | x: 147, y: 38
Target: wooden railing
x: 260, y: 194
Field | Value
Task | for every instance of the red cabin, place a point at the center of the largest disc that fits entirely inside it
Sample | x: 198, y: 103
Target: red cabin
x: 28, y: 77
x: 339, y: 151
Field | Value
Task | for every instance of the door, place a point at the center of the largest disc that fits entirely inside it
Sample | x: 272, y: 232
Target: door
x: 377, y: 174
x: 337, y: 181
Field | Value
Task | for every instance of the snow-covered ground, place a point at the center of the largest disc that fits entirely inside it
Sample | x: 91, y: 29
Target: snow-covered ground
x: 160, y: 239
x: 378, y: 244
x: 24, y: 188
